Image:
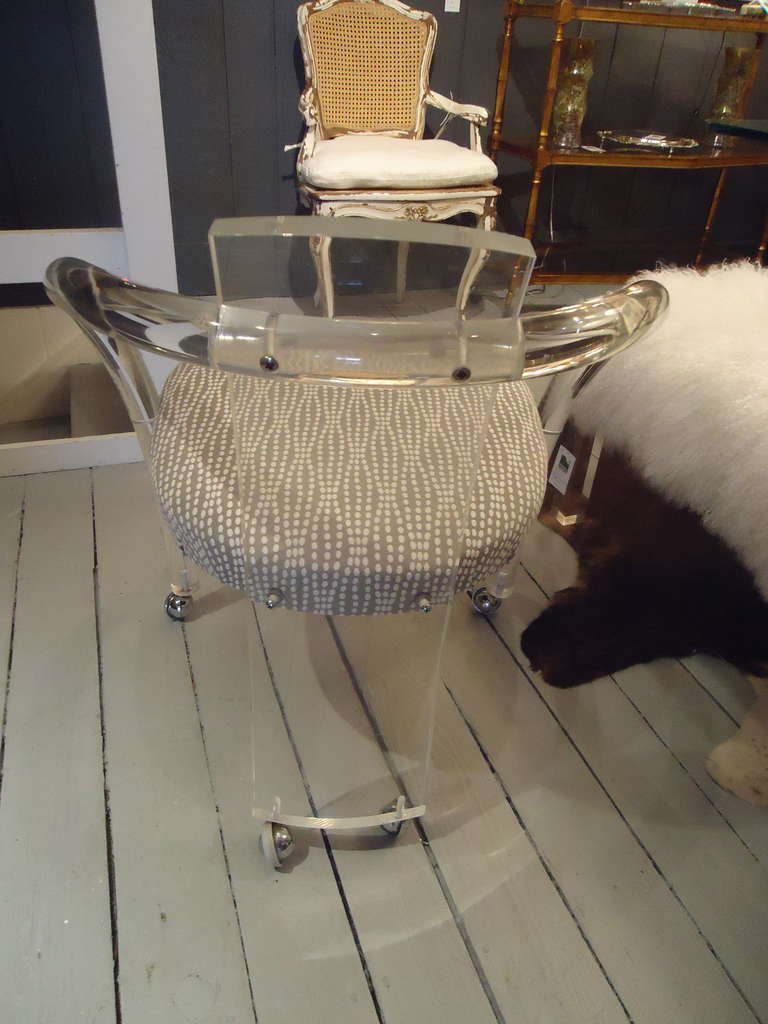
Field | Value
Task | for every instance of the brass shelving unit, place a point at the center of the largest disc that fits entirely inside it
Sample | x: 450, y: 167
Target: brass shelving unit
x: 538, y: 151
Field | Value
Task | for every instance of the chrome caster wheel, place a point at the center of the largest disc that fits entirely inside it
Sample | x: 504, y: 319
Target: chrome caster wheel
x: 393, y: 828
x: 277, y: 843
x: 484, y: 602
x: 176, y: 607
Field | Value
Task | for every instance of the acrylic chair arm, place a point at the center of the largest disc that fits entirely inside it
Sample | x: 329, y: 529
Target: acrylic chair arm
x: 111, y: 305
x: 256, y: 341
x: 202, y: 331
x: 576, y: 337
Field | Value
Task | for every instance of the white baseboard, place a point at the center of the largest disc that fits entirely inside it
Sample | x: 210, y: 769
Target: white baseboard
x: 68, y: 453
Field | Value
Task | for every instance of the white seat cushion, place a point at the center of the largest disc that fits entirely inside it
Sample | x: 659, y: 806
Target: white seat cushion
x: 380, y: 161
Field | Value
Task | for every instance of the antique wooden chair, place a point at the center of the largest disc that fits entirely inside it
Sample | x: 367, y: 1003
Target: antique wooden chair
x: 364, y: 103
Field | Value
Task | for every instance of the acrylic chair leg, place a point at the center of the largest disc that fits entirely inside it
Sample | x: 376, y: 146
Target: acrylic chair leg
x: 487, y: 599
x: 592, y: 467
x: 555, y: 406
x: 183, y: 581
x: 320, y: 246
x: 402, y: 269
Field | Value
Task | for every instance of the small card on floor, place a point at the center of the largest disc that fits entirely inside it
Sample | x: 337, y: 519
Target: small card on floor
x: 562, y: 468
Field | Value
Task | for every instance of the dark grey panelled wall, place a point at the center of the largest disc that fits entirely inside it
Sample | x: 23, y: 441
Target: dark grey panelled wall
x: 56, y: 165
x: 231, y: 74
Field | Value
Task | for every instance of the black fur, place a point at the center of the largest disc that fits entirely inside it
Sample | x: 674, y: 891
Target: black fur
x: 653, y: 582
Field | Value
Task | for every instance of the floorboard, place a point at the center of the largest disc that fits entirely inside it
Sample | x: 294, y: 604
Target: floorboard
x: 418, y: 962
x: 576, y: 864
x: 304, y: 963
x: 690, y: 724
x: 691, y: 705
x: 180, y: 950
x: 523, y: 933
x: 727, y: 686
x: 11, y: 524
x: 637, y: 926
x: 721, y: 885
x: 55, y: 934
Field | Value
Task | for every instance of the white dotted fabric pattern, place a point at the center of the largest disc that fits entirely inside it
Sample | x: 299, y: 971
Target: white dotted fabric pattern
x: 347, y: 499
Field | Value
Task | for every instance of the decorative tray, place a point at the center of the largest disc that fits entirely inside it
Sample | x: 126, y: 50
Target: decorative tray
x: 644, y: 140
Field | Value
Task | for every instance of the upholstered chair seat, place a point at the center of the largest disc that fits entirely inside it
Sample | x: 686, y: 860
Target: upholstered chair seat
x: 381, y: 161
x: 350, y: 516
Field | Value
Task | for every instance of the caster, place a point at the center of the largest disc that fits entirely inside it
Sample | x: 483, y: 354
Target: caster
x: 393, y: 828
x: 277, y: 843
x: 484, y: 602
x: 176, y: 607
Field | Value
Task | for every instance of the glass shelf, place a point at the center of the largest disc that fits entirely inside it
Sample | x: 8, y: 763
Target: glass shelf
x: 566, y: 11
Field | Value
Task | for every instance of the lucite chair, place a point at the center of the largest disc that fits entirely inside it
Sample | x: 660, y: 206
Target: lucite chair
x: 366, y: 66
x: 366, y: 469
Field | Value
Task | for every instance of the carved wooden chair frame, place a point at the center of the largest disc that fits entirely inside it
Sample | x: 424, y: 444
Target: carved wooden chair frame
x: 427, y: 204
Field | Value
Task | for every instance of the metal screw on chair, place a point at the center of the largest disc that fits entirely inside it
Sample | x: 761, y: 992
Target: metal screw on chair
x: 461, y: 373
x: 274, y: 598
x: 268, y: 363
x: 423, y: 603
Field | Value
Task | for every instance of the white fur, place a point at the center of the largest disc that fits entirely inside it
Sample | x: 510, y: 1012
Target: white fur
x: 689, y: 404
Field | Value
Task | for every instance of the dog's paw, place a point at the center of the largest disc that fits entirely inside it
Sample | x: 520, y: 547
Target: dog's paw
x: 740, y: 765
x: 554, y: 644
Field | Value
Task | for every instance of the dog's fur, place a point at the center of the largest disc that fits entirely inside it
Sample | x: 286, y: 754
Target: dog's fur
x: 674, y: 557
x: 689, y: 404
x: 653, y: 582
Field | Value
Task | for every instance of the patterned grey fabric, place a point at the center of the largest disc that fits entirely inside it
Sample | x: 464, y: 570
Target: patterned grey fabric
x: 347, y: 499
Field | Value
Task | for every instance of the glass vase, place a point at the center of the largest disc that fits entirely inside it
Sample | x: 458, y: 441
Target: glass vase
x: 570, y: 106
x: 731, y: 94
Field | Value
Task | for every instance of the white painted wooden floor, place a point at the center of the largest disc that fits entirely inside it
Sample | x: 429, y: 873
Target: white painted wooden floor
x: 576, y: 866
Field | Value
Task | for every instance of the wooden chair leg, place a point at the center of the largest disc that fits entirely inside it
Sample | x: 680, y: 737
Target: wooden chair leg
x: 320, y: 247
x: 402, y: 269
x: 476, y: 261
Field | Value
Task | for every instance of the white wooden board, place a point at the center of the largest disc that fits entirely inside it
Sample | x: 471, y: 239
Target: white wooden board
x: 55, y: 937
x: 691, y: 724
x: 11, y: 511
x: 67, y: 453
x: 418, y: 962
x: 729, y: 687
x: 303, y: 961
x: 181, y: 957
x: 720, y: 883
x: 538, y: 965
x: 637, y: 926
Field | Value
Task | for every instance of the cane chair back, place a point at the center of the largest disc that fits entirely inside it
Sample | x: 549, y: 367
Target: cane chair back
x: 367, y: 65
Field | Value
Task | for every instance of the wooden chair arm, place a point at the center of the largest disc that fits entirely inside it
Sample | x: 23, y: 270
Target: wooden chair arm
x: 477, y: 116
x: 469, y: 111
